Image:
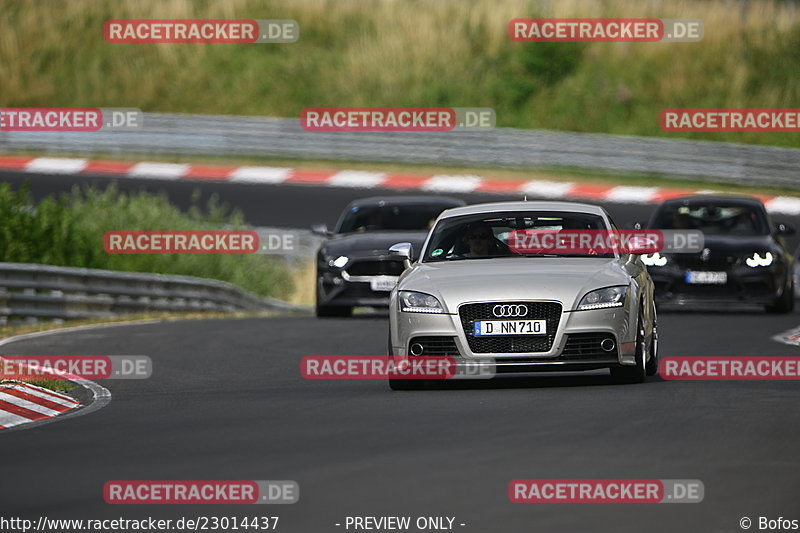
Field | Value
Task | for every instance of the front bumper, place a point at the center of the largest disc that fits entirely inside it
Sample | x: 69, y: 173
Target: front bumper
x: 576, y: 344
x: 744, y: 285
x: 337, y: 288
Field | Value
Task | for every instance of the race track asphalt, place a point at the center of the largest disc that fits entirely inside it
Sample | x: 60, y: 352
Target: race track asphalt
x: 226, y: 401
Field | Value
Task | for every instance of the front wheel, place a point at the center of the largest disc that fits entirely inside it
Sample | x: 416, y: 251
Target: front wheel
x: 651, y: 368
x: 635, y: 373
x: 783, y: 304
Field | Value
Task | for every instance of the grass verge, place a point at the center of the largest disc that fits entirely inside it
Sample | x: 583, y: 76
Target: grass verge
x: 411, y: 53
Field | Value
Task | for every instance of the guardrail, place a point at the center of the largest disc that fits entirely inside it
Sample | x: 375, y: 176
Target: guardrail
x: 30, y: 291
x: 502, y: 147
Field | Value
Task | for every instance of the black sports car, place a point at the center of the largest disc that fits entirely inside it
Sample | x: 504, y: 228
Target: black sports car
x: 354, y: 267
x: 744, y: 259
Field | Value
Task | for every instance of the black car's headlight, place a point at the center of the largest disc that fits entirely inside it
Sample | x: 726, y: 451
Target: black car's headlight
x: 654, y: 259
x: 419, y: 302
x: 603, y: 298
x: 336, y: 261
x: 757, y: 260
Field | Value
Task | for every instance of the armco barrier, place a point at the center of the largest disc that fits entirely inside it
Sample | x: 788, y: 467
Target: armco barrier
x: 30, y: 291
x: 502, y: 147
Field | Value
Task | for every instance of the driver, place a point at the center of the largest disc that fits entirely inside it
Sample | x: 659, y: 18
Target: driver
x: 479, y: 239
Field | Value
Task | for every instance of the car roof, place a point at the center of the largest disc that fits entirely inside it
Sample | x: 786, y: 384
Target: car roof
x: 406, y: 200
x: 494, y: 207
x: 714, y: 199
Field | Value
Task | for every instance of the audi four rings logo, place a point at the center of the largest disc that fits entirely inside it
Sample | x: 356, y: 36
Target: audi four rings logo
x: 510, y: 310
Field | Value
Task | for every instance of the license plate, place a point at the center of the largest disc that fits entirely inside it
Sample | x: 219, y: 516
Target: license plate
x: 382, y: 284
x: 706, y: 278
x: 510, y: 327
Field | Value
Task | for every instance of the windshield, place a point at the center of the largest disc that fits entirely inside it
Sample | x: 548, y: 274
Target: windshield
x: 489, y: 235
x: 713, y: 219
x: 360, y: 219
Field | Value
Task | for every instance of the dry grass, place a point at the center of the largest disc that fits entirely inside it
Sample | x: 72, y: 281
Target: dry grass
x: 409, y: 52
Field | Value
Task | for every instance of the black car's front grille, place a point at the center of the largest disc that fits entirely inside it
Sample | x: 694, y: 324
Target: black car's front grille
x: 433, y: 346
x: 548, y: 311
x: 713, y: 261
x: 374, y: 267
x: 586, y: 346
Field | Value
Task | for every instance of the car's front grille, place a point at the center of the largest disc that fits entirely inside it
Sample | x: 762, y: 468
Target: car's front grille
x: 586, y: 346
x: 374, y: 267
x: 714, y: 261
x: 548, y: 311
x: 435, y: 346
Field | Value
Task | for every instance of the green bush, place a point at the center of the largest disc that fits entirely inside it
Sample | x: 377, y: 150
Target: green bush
x: 68, y: 230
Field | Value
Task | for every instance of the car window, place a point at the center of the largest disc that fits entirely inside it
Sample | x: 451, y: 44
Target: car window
x: 490, y: 235
x: 712, y: 219
x: 361, y: 219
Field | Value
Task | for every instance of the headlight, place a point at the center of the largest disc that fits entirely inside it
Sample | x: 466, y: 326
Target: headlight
x: 338, y: 262
x: 419, y: 302
x: 602, y: 298
x: 756, y: 260
x: 654, y: 259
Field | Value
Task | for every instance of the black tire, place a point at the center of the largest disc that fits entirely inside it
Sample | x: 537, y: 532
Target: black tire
x: 633, y: 374
x: 651, y: 368
x: 406, y: 384
x: 331, y: 311
x: 784, y: 304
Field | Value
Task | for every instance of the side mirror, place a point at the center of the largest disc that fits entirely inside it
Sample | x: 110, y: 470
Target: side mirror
x: 641, y: 245
x: 404, y: 250
x: 320, y: 229
x: 784, y: 229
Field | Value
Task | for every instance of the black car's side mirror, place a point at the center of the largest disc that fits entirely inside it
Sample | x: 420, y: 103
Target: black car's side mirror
x: 784, y: 229
x: 320, y: 229
x: 404, y: 250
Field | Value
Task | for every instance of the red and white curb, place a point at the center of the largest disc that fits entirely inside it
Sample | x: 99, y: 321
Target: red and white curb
x: 369, y: 180
x: 21, y: 403
x: 44, y: 405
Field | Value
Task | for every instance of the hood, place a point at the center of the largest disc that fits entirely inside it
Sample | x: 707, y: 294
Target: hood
x: 373, y: 243
x: 547, y: 278
x: 725, y: 244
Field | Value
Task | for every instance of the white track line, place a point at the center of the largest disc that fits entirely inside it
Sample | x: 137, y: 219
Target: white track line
x: 9, y: 420
x: 40, y: 393
x: 260, y: 175
x: 158, y: 170
x: 27, y: 404
x: 56, y: 165
x: 444, y: 183
x: 547, y: 189
x: 356, y: 179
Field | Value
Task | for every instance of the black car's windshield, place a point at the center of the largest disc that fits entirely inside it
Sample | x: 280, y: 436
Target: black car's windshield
x: 713, y: 219
x: 499, y: 235
x: 359, y: 219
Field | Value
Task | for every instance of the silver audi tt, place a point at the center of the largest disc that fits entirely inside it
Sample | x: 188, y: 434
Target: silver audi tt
x: 469, y: 294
